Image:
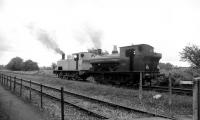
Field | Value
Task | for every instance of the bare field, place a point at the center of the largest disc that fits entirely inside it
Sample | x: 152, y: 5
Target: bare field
x: 181, y: 105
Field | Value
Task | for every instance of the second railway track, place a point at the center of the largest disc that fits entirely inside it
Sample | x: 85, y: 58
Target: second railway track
x: 166, y: 89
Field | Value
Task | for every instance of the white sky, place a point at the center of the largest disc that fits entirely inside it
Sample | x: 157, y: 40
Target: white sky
x: 167, y: 25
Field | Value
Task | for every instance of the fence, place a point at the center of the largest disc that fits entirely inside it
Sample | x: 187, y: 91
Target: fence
x: 11, y: 83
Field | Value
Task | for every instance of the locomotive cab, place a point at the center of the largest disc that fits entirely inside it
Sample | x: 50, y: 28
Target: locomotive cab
x: 144, y: 58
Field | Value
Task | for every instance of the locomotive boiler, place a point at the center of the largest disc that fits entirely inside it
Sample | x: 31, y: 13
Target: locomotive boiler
x: 121, y: 68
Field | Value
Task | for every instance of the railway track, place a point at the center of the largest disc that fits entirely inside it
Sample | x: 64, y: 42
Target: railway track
x: 77, y: 101
x: 94, y: 106
x: 166, y: 89
x: 78, y: 98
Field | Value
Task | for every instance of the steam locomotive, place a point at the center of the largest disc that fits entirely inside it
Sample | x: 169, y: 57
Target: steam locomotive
x: 117, y: 68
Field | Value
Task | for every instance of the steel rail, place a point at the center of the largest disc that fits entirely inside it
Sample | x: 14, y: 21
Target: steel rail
x: 166, y: 89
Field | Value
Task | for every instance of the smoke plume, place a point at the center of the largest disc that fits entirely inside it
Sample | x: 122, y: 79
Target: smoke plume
x: 87, y: 35
x: 44, y: 37
x: 95, y: 36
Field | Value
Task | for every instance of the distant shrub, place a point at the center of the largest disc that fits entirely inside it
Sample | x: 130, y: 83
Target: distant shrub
x: 17, y: 64
x: 29, y: 65
x: 2, y: 67
x: 178, y: 74
x: 166, y: 66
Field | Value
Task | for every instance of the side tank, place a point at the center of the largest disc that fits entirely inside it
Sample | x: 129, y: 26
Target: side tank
x: 134, y: 58
x: 76, y: 62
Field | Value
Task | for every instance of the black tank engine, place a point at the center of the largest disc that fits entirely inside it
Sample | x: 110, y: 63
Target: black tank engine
x: 121, y: 68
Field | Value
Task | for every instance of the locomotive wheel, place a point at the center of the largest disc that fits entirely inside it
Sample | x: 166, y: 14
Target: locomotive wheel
x: 60, y: 75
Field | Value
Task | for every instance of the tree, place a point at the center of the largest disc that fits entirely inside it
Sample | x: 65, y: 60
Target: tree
x: 1, y: 67
x: 15, y: 64
x: 191, y: 54
x: 29, y: 65
x: 166, y: 66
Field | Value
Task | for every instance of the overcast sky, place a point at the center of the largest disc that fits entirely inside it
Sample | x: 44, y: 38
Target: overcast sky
x: 167, y: 25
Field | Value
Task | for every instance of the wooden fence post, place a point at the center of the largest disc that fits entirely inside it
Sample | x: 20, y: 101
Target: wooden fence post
x: 20, y: 92
x: 41, y: 101
x: 62, y: 103
x: 10, y: 83
x: 6, y: 81
x: 140, y: 87
x: 3, y: 80
x: 30, y: 90
x: 170, y: 93
x: 1, y: 77
x: 14, y: 84
x: 196, y: 98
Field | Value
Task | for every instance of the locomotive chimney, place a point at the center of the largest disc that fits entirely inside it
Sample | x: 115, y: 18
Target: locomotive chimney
x: 99, y: 51
x: 114, y: 49
x: 63, y: 56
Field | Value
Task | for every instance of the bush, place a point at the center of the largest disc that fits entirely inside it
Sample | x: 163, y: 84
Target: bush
x: 17, y: 64
x: 1, y: 67
x: 179, y: 74
x: 29, y: 65
x: 166, y: 66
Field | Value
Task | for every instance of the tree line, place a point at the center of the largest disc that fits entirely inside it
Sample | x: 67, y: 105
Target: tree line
x: 17, y: 64
x: 190, y: 53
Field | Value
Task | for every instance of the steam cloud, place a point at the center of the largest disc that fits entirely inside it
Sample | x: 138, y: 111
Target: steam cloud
x: 90, y: 35
x: 95, y: 36
x: 45, y: 39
